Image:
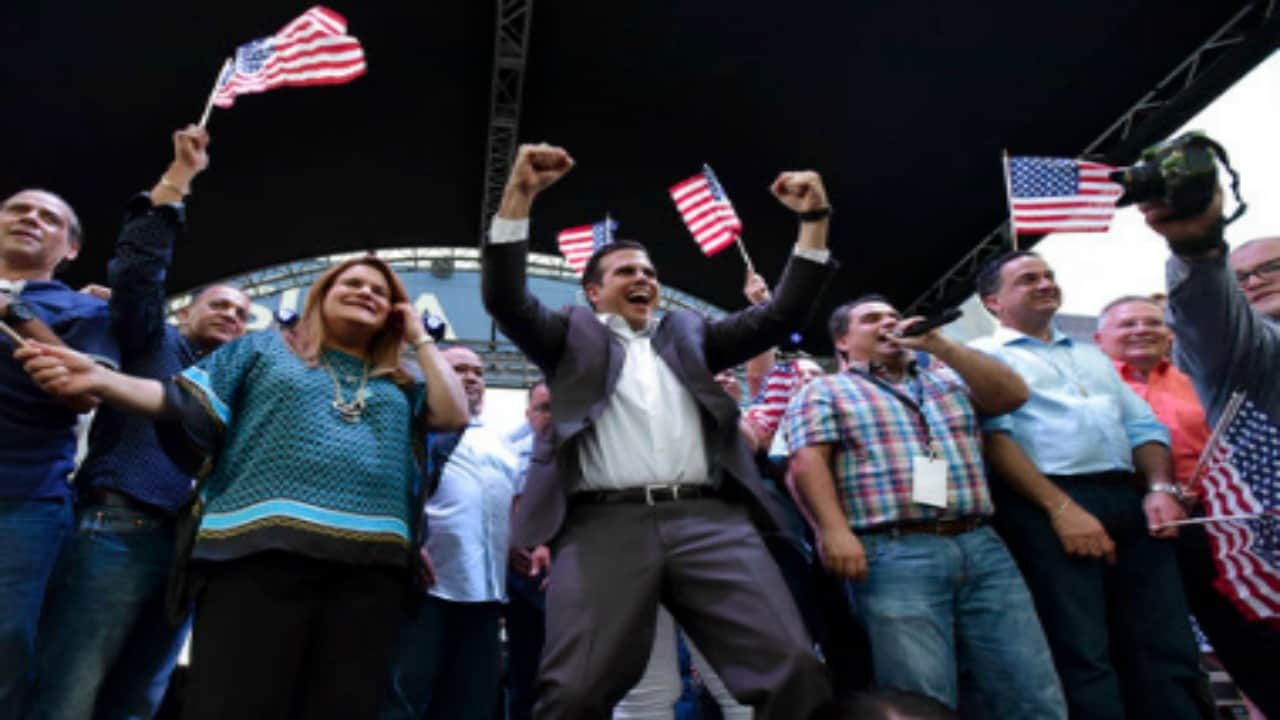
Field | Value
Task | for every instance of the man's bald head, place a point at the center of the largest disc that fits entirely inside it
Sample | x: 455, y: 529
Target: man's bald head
x: 1257, y: 268
x: 217, y: 314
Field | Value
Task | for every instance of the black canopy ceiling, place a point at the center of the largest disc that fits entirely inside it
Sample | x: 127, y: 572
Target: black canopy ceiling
x: 903, y: 106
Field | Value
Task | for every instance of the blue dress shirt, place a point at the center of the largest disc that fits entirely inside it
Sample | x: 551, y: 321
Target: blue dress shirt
x: 1081, y: 417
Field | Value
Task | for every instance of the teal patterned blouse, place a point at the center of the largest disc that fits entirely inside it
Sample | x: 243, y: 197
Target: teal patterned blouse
x: 290, y: 473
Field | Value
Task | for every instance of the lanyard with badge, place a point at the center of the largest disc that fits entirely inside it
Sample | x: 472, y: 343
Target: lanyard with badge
x: 929, y: 471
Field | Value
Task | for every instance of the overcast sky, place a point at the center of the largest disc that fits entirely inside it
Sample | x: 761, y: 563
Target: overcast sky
x: 1094, y: 268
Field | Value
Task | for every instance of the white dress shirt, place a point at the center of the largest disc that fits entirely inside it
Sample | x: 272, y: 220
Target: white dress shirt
x: 469, y: 518
x: 650, y: 432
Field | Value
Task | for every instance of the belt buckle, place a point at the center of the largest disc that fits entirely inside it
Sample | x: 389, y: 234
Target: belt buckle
x: 649, y: 490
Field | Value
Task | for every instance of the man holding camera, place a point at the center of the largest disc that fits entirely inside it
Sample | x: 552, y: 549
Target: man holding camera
x: 1224, y: 308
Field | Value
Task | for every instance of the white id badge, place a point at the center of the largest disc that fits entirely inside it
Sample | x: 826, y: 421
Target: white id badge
x: 929, y: 481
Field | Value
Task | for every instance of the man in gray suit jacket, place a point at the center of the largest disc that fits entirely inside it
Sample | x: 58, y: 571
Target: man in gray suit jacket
x: 641, y: 483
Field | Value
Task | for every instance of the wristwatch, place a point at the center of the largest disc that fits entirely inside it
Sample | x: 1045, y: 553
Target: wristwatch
x: 18, y: 312
x: 1170, y: 488
x: 435, y: 326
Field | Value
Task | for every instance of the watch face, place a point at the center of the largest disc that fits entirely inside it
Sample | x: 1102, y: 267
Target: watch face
x: 20, y: 312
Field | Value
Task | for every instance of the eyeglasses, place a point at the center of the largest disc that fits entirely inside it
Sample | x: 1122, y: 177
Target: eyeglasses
x: 1266, y: 271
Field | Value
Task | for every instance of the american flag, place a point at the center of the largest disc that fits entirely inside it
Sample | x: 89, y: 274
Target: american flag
x: 313, y: 49
x: 578, y: 243
x: 1060, y: 195
x: 1240, y: 476
x: 707, y: 212
x: 765, y: 414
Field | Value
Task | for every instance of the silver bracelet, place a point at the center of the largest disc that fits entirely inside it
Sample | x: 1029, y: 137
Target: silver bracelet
x: 1168, y: 488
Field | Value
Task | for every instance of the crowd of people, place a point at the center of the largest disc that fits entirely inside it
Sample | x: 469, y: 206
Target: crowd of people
x: 929, y: 529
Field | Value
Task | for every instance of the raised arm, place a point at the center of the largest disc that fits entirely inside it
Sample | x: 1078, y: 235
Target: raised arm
x: 994, y: 387
x: 757, y: 292
x: 144, y: 250
x: 1222, y: 342
x: 446, y: 401
x: 536, y: 330
x: 750, y: 332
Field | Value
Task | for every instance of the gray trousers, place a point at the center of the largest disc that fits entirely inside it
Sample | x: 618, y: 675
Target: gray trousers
x: 703, y: 560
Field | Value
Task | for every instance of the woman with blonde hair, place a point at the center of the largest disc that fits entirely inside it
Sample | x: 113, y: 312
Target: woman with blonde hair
x: 308, y: 495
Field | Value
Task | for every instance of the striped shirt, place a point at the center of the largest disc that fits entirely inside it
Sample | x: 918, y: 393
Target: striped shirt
x: 875, y: 436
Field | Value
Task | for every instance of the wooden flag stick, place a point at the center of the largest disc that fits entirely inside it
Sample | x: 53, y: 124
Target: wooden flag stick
x: 751, y: 268
x: 1207, y: 520
x: 13, y: 334
x: 1008, y: 196
x: 208, y: 105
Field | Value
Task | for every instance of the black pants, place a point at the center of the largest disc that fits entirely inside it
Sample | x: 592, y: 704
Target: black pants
x: 447, y: 664
x: 526, y: 627
x: 1119, y: 633
x: 1248, y: 650
x: 281, y: 636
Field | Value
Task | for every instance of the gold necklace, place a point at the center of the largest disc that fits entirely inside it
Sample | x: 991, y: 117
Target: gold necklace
x: 349, y: 411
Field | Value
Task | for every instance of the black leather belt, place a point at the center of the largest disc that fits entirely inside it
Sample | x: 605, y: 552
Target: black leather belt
x: 944, y: 528
x: 649, y: 494
x: 107, y: 497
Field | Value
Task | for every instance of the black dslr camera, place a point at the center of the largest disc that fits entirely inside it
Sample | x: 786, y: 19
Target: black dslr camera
x: 1182, y: 172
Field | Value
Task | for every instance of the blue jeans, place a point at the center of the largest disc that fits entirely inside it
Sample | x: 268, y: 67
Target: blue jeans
x: 447, y: 663
x: 105, y: 640
x: 31, y: 536
x: 931, y: 602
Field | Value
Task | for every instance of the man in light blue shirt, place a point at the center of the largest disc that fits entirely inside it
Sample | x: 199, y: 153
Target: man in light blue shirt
x: 1088, y: 532
x: 448, y: 663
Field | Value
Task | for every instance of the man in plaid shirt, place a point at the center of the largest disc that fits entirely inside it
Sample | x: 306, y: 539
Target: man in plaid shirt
x: 892, y: 452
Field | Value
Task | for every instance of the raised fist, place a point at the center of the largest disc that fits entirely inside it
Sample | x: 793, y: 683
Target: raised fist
x: 537, y: 167
x: 801, y: 191
x: 191, y: 149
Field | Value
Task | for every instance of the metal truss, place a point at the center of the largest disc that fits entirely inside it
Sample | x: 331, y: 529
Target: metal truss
x: 1138, y: 127
x: 510, y: 51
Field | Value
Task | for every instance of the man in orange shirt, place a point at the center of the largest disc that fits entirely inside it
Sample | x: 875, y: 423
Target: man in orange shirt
x: 1133, y: 333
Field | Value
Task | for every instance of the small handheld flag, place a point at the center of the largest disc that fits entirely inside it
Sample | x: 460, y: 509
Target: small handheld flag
x: 1048, y: 194
x: 312, y: 49
x: 578, y: 243
x: 765, y: 414
x: 707, y: 212
x: 1239, y: 477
